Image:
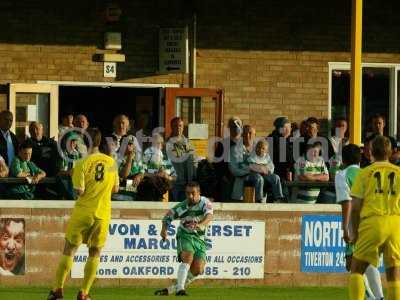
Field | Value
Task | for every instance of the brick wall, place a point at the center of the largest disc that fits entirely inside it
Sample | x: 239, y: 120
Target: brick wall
x: 271, y: 58
x: 45, y: 229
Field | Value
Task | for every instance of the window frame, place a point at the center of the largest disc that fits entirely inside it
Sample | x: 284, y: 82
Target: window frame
x: 393, y: 69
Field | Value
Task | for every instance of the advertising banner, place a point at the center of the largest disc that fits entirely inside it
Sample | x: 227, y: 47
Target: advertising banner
x: 134, y: 249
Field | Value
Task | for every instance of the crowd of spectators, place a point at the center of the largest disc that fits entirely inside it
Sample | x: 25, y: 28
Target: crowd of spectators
x: 149, y: 168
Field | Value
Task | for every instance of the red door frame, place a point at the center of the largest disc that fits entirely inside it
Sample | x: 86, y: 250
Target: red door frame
x: 170, y: 105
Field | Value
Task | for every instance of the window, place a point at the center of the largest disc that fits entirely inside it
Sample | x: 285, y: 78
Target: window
x: 377, y: 92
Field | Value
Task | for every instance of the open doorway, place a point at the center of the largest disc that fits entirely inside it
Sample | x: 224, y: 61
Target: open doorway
x: 376, y: 91
x: 102, y: 104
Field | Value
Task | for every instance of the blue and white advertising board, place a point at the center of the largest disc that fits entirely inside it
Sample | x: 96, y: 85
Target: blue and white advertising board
x: 322, y: 245
x: 134, y: 249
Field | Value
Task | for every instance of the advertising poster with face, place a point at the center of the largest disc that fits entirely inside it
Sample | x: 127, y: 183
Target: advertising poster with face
x: 12, y: 246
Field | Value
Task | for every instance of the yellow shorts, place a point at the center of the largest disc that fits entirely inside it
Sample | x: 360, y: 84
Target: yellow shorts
x: 84, y: 228
x: 379, y: 234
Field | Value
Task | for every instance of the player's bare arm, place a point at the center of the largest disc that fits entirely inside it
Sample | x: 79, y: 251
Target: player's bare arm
x: 163, y: 232
x: 346, y: 215
x: 206, y: 220
x: 356, y: 206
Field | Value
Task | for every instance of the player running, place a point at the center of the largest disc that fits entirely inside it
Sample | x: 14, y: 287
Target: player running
x: 195, y: 213
x: 344, y: 180
x: 375, y: 220
x: 94, y: 178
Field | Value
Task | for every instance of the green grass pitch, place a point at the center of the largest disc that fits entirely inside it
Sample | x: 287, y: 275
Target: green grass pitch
x: 203, y: 293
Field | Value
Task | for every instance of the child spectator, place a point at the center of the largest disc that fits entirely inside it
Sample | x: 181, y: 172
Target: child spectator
x: 131, y: 173
x: 260, y: 162
x: 22, y: 167
x: 310, y: 167
x: 160, y: 172
x: 155, y: 160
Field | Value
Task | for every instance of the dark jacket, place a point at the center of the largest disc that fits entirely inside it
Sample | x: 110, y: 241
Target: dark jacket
x: 45, y: 155
x: 282, y: 164
x: 3, y: 146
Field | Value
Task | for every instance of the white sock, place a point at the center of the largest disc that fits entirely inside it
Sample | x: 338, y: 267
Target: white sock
x: 368, y: 293
x: 189, y: 279
x: 374, y: 280
x: 182, y: 275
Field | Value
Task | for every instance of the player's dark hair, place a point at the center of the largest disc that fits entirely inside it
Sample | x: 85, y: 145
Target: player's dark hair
x: 381, y: 148
x: 95, y: 135
x: 370, y: 138
x: 193, y: 184
x: 104, y: 146
x: 351, y: 155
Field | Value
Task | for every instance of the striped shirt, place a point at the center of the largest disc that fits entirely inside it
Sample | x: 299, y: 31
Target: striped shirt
x: 155, y: 161
x: 306, y: 167
x: 189, y: 216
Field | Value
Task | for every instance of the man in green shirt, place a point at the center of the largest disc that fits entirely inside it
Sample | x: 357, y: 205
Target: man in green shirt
x: 23, y: 167
x: 195, y: 213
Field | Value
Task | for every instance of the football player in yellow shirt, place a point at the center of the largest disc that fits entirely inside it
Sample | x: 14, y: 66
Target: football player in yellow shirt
x: 94, y: 178
x: 376, y: 220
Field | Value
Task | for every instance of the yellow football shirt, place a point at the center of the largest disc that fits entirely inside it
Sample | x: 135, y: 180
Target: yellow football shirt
x: 379, y: 187
x: 96, y: 174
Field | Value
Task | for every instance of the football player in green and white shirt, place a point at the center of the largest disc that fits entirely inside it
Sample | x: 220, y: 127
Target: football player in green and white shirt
x: 344, y: 179
x: 195, y: 213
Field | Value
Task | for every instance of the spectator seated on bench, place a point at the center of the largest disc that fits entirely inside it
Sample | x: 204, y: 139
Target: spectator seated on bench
x: 160, y: 173
x: 310, y: 167
x: 131, y: 173
x: 260, y: 162
x: 238, y: 167
x: 23, y: 167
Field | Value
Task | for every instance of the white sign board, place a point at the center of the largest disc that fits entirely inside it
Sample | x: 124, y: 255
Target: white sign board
x: 173, y: 50
x: 134, y: 249
x: 198, y: 131
x: 110, y: 69
x: 31, y: 114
